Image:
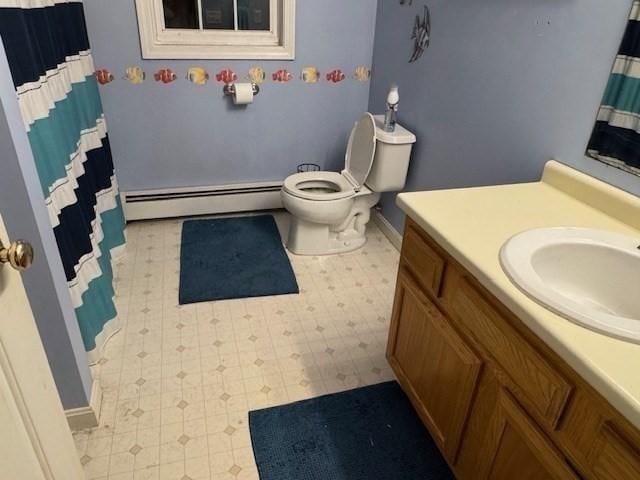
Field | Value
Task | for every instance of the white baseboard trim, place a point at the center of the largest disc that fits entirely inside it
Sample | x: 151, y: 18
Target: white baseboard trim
x: 86, y: 417
x: 387, y: 229
x: 192, y: 201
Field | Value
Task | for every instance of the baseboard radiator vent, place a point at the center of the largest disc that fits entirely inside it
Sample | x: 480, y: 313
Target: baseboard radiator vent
x: 186, y: 202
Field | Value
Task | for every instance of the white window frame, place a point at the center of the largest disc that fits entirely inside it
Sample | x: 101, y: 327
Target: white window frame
x: 158, y: 42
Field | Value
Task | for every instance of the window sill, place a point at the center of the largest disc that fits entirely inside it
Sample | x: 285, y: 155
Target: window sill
x: 217, y: 52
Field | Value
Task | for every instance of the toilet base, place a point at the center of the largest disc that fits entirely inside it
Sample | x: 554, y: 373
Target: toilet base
x: 308, y: 238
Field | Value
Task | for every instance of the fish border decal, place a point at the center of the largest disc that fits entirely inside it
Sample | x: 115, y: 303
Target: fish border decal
x: 421, y: 35
x: 310, y: 75
x: 257, y: 75
x: 103, y: 76
x: 335, y: 76
x: 226, y: 76
x: 165, y: 75
x: 282, y: 76
x: 362, y: 73
x: 134, y: 74
x: 197, y: 75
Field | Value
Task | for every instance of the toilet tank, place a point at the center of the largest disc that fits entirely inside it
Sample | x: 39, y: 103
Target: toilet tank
x: 391, y: 161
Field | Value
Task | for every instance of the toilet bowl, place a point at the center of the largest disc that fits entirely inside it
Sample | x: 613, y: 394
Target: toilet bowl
x: 319, y: 197
x: 326, y: 218
x: 330, y: 210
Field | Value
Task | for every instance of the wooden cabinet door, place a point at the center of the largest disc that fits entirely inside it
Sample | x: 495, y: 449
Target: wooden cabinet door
x: 436, y: 368
x: 615, y: 457
x: 516, y: 448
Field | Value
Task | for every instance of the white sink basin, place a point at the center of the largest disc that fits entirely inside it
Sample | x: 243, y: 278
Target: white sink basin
x: 590, y: 277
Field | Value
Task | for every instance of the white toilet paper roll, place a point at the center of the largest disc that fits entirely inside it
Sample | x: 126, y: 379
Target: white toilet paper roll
x: 243, y: 94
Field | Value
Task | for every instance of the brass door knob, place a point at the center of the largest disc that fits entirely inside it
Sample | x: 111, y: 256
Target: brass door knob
x: 19, y: 255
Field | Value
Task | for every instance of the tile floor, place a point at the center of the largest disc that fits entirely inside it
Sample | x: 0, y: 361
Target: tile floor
x: 179, y: 381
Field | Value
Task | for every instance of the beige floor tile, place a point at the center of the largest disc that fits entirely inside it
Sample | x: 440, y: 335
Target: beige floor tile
x: 179, y: 381
x: 151, y: 473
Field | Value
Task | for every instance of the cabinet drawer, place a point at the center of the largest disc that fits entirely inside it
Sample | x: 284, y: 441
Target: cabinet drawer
x: 425, y: 263
x: 615, y: 457
x: 535, y: 382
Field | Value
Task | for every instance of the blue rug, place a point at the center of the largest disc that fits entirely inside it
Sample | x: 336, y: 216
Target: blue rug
x: 233, y: 258
x: 370, y: 433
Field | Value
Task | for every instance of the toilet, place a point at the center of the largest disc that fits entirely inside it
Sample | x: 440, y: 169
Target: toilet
x: 330, y: 210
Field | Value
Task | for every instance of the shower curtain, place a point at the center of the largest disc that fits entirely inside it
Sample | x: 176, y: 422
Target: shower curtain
x: 47, y: 48
x: 616, y: 136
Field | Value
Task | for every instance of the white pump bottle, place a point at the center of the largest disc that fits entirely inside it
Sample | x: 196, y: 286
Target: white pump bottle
x: 393, y: 100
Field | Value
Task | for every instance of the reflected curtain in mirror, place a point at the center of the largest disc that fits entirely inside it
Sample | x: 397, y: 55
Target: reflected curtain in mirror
x: 616, y: 136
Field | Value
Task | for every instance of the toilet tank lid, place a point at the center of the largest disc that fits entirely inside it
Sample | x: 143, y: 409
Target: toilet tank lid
x: 360, y: 151
x: 400, y: 136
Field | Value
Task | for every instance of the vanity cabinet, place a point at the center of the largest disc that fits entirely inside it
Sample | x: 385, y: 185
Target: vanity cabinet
x: 497, y: 401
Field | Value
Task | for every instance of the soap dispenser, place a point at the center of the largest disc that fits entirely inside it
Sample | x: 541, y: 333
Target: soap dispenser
x: 393, y: 99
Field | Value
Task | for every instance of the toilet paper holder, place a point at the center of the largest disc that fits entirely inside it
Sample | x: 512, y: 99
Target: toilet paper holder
x: 230, y: 89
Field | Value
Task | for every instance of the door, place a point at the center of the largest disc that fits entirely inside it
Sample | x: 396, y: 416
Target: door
x: 435, y: 366
x: 35, y: 442
x: 516, y: 448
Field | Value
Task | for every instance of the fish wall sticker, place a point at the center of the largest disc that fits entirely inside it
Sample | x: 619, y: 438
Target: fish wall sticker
x: 103, y: 76
x: 165, y: 75
x: 197, y: 75
x: 421, y: 35
x: 226, y: 76
x: 310, y: 75
x: 281, y: 76
x: 336, y: 76
x: 134, y: 74
x: 362, y: 73
x: 257, y: 75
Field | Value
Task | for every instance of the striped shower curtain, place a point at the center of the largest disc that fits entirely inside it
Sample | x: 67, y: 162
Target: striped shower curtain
x: 616, y: 136
x: 47, y: 48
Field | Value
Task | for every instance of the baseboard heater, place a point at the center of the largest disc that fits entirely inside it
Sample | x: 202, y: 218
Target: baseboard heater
x: 190, y: 201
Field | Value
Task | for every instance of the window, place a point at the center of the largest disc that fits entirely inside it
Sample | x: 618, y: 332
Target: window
x: 217, y: 29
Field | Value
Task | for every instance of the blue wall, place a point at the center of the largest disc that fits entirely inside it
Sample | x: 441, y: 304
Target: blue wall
x: 503, y: 87
x: 184, y: 135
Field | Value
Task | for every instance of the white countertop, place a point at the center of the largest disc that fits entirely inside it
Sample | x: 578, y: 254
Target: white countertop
x: 472, y: 224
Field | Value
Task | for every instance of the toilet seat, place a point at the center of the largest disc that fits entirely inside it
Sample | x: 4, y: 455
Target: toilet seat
x: 327, y: 186
x: 319, y: 186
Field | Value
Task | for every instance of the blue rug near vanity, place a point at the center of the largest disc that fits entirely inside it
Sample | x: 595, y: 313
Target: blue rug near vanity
x: 228, y: 258
x: 371, y: 433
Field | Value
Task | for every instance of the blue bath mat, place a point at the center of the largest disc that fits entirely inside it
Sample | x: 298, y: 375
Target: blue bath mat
x: 233, y: 258
x: 370, y: 433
